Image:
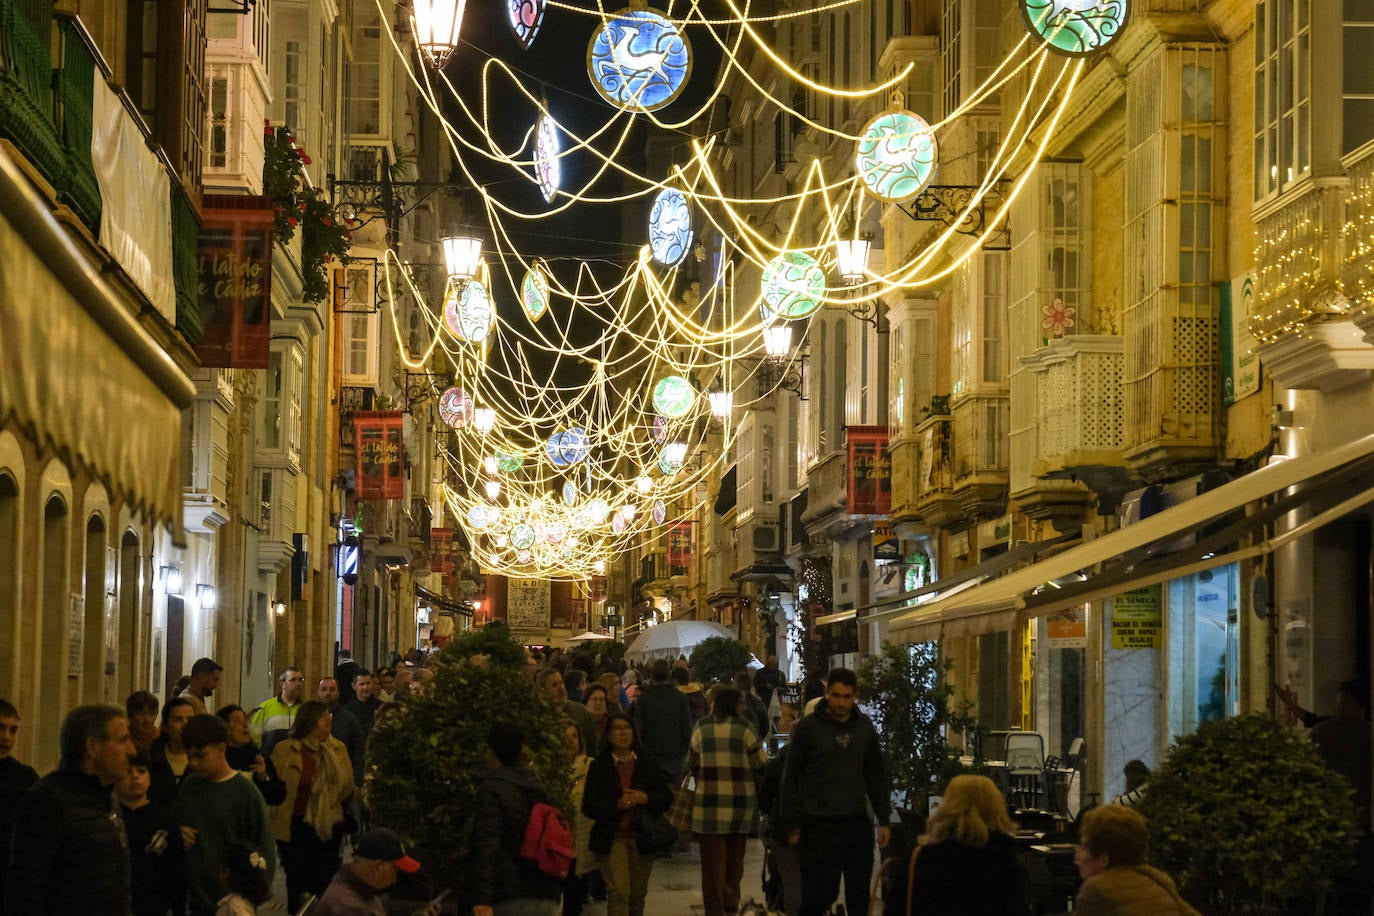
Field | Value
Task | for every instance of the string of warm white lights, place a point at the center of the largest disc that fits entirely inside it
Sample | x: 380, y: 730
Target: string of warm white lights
x: 567, y: 446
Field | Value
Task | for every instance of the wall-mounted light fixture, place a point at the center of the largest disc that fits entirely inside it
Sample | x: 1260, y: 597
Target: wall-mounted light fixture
x: 205, y: 596
x: 171, y: 581
x: 279, y: 608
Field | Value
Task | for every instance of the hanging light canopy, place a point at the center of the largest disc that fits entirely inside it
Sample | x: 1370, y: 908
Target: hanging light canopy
x: 777, y: 341
x: 851, y: 256
x: 462, y: 255
x: 436, y: 28
x: 722, y: 402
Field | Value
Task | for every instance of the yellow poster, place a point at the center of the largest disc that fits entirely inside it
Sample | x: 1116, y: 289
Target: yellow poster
x: 1136, y: 618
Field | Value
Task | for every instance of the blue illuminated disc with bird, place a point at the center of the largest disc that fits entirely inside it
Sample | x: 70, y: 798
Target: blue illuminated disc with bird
x: 660, y: 512
x: 525, y: 17
x: 534, y: 292
x: 793, y: 285
x: 574, y: 444
x: 455, y: 408
x: 1075, y: 28
x: 670, y: 227
x: 554, y: 449
x: 673, y: 396
x: 548, y: 170
x: 639, y: 60
x: 896, y: 156
x: 521, y: 535
x: 469, y: 314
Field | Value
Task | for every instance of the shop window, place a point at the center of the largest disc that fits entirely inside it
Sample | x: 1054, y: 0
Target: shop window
x: 1203, y: 648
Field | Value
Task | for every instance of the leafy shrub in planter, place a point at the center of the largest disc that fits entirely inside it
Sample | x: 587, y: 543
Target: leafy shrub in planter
x: 1246, y: 815
x: 718, y: 659
x: 427, y: 758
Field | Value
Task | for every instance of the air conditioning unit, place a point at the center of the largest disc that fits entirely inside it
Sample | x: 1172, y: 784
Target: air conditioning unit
x: 765, y: 537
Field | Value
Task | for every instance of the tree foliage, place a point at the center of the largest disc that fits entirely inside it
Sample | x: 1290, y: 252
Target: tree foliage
x: 903, y: 691
x: 1246, y: 815
x: 718, y: 659
x: 427, y: 757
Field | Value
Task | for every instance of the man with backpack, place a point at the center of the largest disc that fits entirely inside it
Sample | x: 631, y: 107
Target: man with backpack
x: 521, y: 844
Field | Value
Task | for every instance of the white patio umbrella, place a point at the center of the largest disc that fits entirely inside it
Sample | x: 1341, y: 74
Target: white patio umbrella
x: 674, y: 638
x: 586, y: 636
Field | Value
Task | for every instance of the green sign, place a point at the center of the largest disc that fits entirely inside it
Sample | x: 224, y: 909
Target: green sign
x: 1240, y: 375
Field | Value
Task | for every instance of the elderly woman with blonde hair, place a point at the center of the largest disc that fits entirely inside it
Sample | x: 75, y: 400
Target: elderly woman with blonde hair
x: 966, y: 861
x: 1111, y: 852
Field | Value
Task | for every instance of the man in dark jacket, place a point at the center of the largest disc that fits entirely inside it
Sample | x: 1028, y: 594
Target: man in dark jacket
x: 15, y: 779
x: 70, y: 852
x: 664, y: 722
x: 832, y: 775
x: 503, y: 804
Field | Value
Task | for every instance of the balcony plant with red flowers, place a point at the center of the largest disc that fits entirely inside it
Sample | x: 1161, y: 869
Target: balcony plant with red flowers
x: 324, y: 239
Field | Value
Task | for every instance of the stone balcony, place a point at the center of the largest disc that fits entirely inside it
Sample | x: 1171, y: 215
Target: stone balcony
x: 937, y: 504
x: 827, y: 486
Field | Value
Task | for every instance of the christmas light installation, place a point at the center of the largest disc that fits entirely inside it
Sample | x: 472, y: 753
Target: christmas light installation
x: 639, y: 60
x: 793, y: 285
x: 525, y: 17
x: 896, y: 156
x: 455, y: 407
x: 547, y: 168
x: 673, y: 396
x: 659, y: 512
x: 670, y: 227
x: 534, y: 292
x: 469, y: 313
x: 1075, y: 28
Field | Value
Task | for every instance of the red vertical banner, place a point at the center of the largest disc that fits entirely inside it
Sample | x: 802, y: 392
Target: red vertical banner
x: 441, y: 551
x: 381, y: 453
x: 234, y: 259
x: 680, y: 544
x: 870, y: 471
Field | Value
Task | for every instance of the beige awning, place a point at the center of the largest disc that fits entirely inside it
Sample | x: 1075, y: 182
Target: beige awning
x: 1145, y: 553
x: 78, y: 374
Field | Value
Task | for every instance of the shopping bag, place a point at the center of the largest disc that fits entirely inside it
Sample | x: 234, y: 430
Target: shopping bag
x: 679, y: 814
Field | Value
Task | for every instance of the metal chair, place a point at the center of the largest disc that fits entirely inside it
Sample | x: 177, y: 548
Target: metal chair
x: 1026, y: 783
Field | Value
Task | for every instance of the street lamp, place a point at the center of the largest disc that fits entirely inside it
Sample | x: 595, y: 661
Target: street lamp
x: 493, y: 489
x: 722, y: 402
x: 851, y: 256
x: 777, y: 340
x: 645, y: 483
x: 462, y: 255
x: 171, y: 581
x: 484, y: 419
x: 675, y: 453
x: 436, y: 28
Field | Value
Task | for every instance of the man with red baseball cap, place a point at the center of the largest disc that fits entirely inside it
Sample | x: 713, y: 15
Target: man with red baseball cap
x: 356, y: 890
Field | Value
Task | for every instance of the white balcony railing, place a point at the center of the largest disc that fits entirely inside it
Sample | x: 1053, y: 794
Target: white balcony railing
x: 1078, y: 402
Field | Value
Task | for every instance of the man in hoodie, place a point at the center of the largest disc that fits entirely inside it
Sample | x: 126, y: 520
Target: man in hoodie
x: 664, y: 722
x: 505, y: 881
x: 834, y: 773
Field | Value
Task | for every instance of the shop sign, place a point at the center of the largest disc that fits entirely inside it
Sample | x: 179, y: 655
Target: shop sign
x: 1240, y: 363
x: 1136, y: 619
x: 234, y: 264
x: 528, y: 604
x: 680, y: 544
x: 1068, y: 628
x: 441, y: 551
x: 870, y: 471
x: 381, y: 474
x: 886, y: 544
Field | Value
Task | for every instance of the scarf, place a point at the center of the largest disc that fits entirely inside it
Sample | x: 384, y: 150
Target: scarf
x: 324, y: 810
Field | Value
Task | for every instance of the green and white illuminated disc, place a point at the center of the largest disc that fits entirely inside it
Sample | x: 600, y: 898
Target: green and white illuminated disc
x: 470, y: 314
x: 674, y: 395
x: 534, y: 293
x: 521, y: 536
x: 793, y: 285
x: 896, y: 156
x: 1075, y: 28
x: 509, y: 464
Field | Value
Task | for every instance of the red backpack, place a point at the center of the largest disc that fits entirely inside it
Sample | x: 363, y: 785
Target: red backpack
x: 548, y: 842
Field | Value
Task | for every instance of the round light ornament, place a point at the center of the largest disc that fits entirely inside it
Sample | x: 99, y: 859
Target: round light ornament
x: 524, y: 556
x: 1075, y: 28
x: 480, y: 517
x: 896, y: 156
x: 555, y: 532
x: 793, y: 285
x: 660, y: 512
x: 522, y: 536
x: 618, y: 524
x: 554, y: 449
x: 525, y: 18
x: 455, y: 408
x: 674, y: 395
x: 659, y: 432
x: 575, y: 445
x: 569, y: 492
x: 668, y: 464
x: 534, y: 292
x: 639, y: 60
x: 598, y: 509
x: 548, y: 170
x: 469, y: 314
x: 670, y: 227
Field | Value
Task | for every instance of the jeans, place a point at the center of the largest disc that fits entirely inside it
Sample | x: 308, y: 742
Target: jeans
x: 627, y: 877
x: 722, y: 868
x: 831, y: 847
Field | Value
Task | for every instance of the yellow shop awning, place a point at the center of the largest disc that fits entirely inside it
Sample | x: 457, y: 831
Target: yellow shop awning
x: 78, y: 374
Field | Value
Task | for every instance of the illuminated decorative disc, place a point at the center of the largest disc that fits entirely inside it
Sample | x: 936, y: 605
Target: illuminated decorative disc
x: 479, y: 517
x: 1075, y: 28
x: 469, y: 315
x: 521, y: 536
x: 639, y: 60
x: 525, y: 17
x: 896, y: 156
x: 598, y: 509
x: 569, y: 492
x: 766, y: 315
x: 660, y: 512
x: 670, y: 227
x: 509, y: 464
x: 547, y: 168
x: 523, y: 556
x: 660, y: 430
x: 455, y: 407
x: 673, y: 395
x: 554, y: 449
x: 575, y: 445
x: 793, y: 285
x: 618, y: 524
x: 534, y: 293
x: 667, y: 466
x: 555, y: 532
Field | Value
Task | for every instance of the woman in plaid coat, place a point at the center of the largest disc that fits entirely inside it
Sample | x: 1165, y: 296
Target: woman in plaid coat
x: 727, y: 758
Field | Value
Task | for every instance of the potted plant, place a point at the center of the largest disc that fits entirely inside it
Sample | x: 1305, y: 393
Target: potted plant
x: 1247, y: 817
x: 904, y: 691
x: 324, y: 238
x: 427, y: 758
x: 718, y: 659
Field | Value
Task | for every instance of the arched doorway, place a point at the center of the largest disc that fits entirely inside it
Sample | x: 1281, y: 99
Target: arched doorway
x: 93, y: 670
x: 9, y: 582
x: 54, y: 655
x: 129, y: 676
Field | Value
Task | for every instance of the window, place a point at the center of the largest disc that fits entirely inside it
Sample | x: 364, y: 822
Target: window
x: 293, y: 91
x: 994, y: 305
x: 961, y: 330
x: 1203, y: 648
x: 219, y: 122
x: 359, y: 348
x: 951, y: 49
x: 326, y: 144
x: 365, y: 77
x: 272, y: 402
x: 1283, y: 94
x: 1357, y: 97
x: 987, y: 41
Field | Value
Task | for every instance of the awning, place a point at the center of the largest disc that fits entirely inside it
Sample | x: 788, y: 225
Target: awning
x: 78, y: 373
x: 1211, y: 528
x: 442, y: 603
